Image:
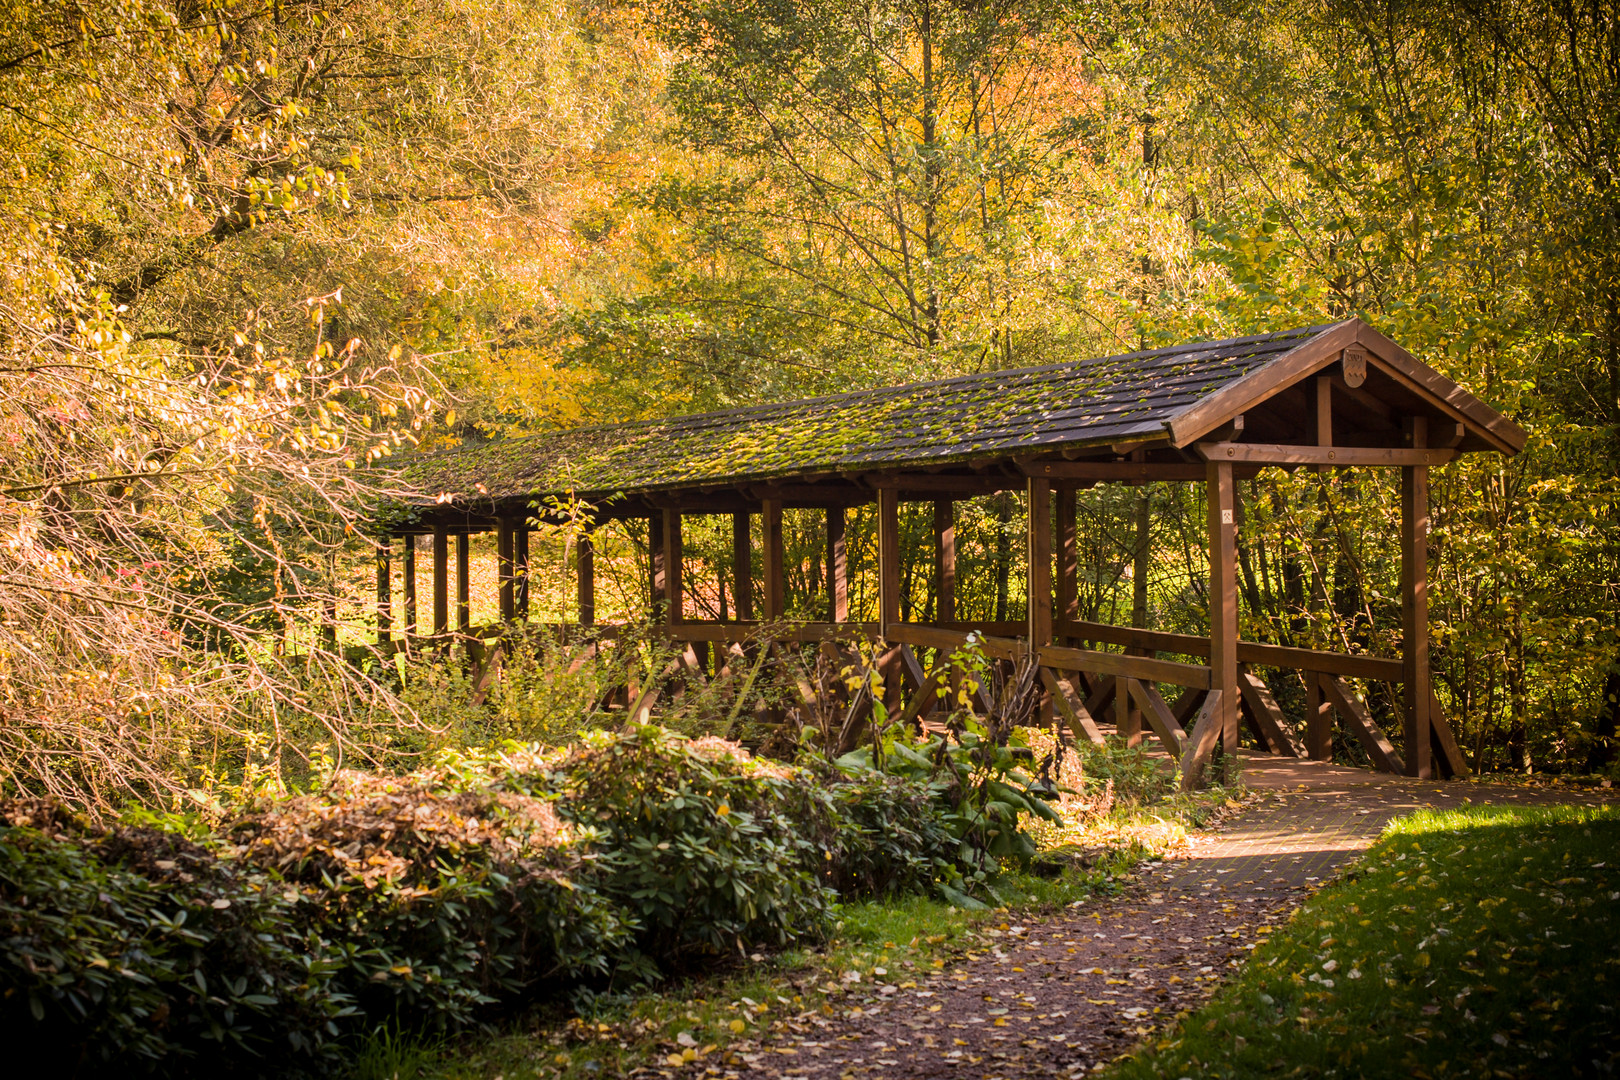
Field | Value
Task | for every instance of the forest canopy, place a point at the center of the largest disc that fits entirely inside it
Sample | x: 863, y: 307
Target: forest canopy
x: 254, y: 254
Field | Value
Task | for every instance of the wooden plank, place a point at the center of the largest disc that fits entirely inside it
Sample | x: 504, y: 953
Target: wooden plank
x: 1038, y: 545
x: 1187, y: 706
x: 888, y: 556
x: 770, y: 514
x: 1448, y: 756
x: 1318, y: 719
x: 1221, y: 498
x: 1206, y: 732
x: 464, y: 592
x: 1134, y: 667
x: 837, y: 566
x: 1268, y: 717
x: 1067, y: 601
x: 945, y: 561
x: 520, y: 562
x: 1121, y: 472
x: 1102, y: 696
x: 1355, y: 717
x: 385, y: 593
x: 674, y: 569
x: 1349, y: 665
x: 925, y: 688
x: 655, y: 550
x: 441, y: 583
x: 1415, y: 688
x: 1127, y: 718
x: 742, y: 566
x: 1158, y: 715
x: 1322, y: 409
x: 585, y: 573
x: 933, y: 637
x: 408, y: 573
x: 1288, y: 454
x: 1070, y: 707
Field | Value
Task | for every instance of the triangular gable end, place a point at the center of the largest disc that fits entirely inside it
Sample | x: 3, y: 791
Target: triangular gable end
x: 1397, y: 384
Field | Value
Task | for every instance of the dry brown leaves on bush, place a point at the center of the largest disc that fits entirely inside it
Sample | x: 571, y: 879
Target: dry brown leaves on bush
x: 376, y: 829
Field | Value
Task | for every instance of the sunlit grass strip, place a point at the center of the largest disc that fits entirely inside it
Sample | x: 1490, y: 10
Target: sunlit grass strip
x: 1481, y: 942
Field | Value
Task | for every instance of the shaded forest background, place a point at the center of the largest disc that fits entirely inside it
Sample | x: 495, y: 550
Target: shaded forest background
x: 248, y: 250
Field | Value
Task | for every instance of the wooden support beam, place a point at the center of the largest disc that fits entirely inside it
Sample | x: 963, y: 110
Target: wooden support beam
x: 770, y: 513
x: 742, y: 567
x: 520, y: 566
x: 1127, y: 718
x: 1221, y: 498
x: 1415, y: 688
x: 505, y: 570
x: 1133, y: 667
x: 655, y: 556
x: 464, y: 590
x: 408, y: 572
x: 1361, y: 725
x: 1070, y: 707
x: 1268, y: 717
x: 1102, y: 697
x: 933, y: 637
x: 888, y: 556
x: 385, y: 593
x: 1288, y: 454
x: 441, y: 583
x: 1158, y: 715
x: 585, y: 572
x: 945, y: 561
x: 837, y: 566
x: 1039, y: 548
x: 1122, y: 472
x: 1448, y: 756
x: 1352, y: 666
x: 1068, y: 557
x: 1322, y: 412
x: 1206, y: 732
x: 674, y: 569
x: 1318, y: 719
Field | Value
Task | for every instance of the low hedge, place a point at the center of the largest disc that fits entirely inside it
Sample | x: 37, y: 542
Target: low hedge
x: 425, y: 900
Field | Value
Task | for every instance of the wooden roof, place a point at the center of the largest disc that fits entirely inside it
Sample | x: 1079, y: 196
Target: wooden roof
x: 1164, y: 399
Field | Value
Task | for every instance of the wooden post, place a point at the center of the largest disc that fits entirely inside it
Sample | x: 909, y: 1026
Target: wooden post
x: 1223, y: 609
x: 585, y: 563
x: 888, y: 558
x: 837, y: 567
x: 520, y: 559
x: 408, y: 572
x: 1039, y: 538
x: 464, y: 586
x: 1318, y: 720
x: 503, y: 568
x: 1127, y: 718
x: 1415, y: 605
x: 945, y: 561
x: 655, y: 553
x: 1068, y: 557
x: 1140, y: 560
x: 385, y: 592
x: 441, y: 583
x: 1321, y: 399
x: 770, y: 513
x: 742, y: 567
x: 674, y: 568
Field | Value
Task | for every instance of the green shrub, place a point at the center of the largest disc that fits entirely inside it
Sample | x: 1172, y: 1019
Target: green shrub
x: 1138, y: 779
x: 132, y: 947
x: 890, y: 838
x: 710, y: 850
x: 445, y: 899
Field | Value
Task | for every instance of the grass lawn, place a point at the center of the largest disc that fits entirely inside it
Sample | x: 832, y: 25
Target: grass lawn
x: 1474, y: 943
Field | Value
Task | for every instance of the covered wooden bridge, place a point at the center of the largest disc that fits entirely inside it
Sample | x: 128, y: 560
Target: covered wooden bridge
x: 1340, y: 396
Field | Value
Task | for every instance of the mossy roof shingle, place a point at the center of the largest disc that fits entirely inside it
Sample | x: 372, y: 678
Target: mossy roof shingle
x: 1105, y: 400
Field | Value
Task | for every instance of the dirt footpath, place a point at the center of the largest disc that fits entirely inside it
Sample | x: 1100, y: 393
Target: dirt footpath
x: 1064, y: 995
